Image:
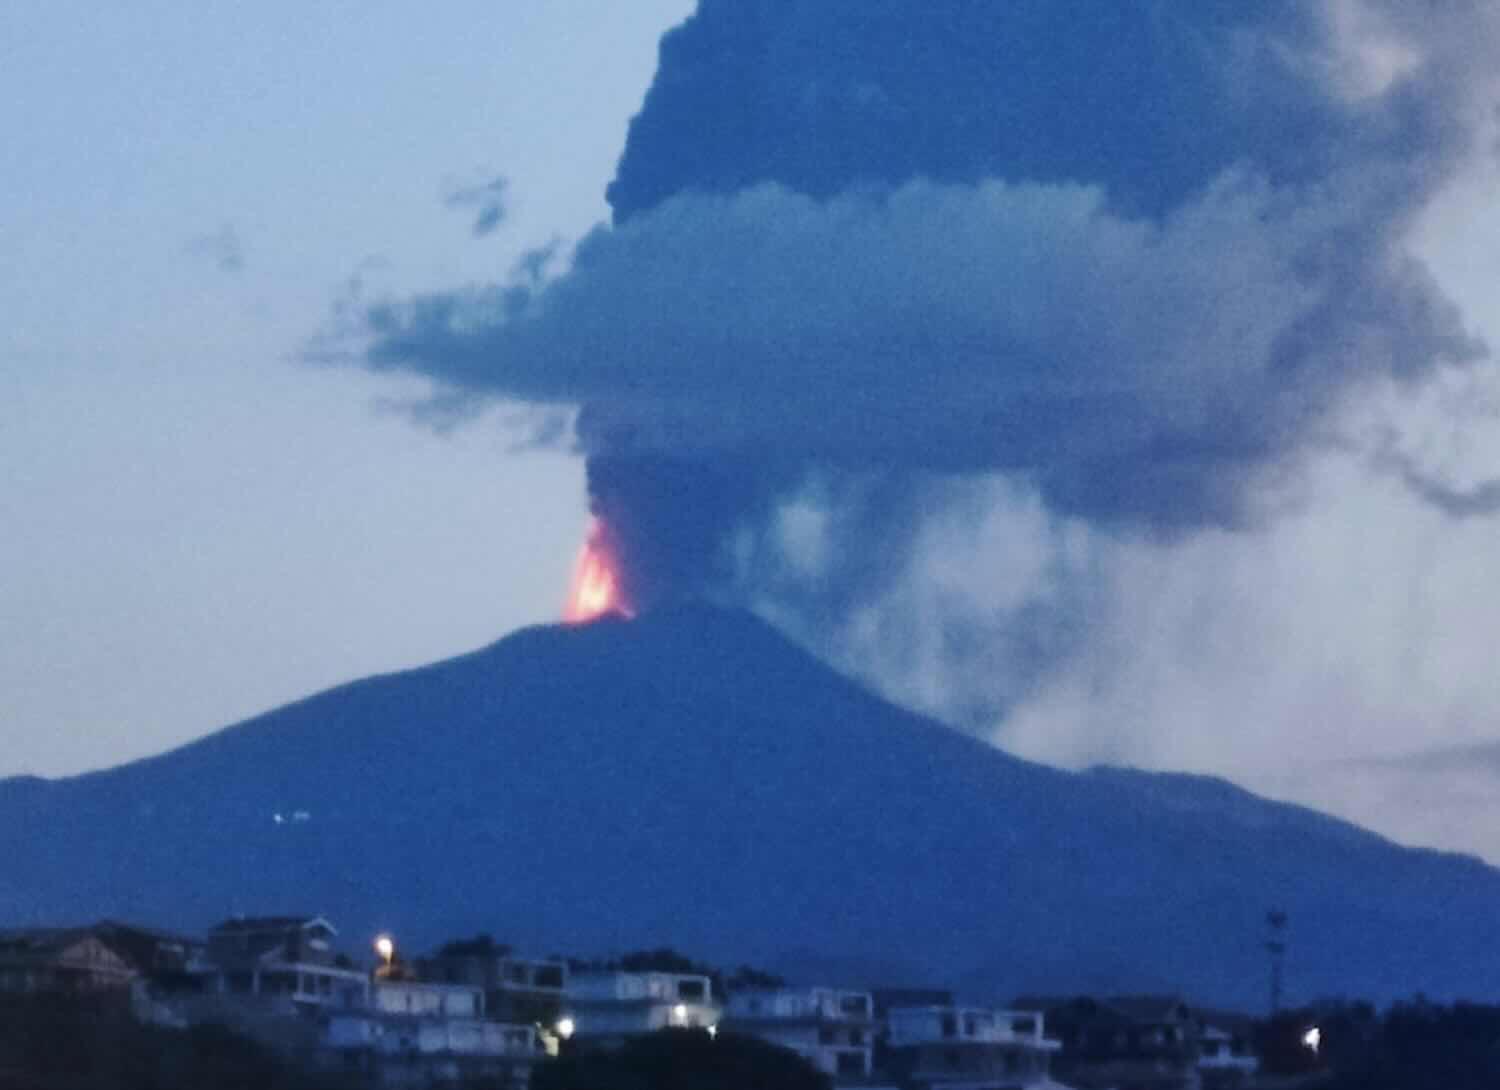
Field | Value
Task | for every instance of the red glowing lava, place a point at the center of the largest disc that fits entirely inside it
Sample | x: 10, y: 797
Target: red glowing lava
x: 596, y: 584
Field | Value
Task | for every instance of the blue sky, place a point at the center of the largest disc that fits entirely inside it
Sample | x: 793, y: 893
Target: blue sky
x: 199, y: 525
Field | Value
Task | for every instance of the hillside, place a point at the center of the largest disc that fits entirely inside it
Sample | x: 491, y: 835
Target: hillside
x: 693, y: 778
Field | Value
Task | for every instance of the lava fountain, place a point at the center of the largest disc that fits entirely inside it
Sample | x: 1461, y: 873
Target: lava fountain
x: 596, y: 581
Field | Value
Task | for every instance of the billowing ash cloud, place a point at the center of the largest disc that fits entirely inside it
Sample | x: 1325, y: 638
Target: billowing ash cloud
x: 1132, y: 256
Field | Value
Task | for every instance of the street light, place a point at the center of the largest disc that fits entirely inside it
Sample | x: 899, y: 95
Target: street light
x: 385, y: 946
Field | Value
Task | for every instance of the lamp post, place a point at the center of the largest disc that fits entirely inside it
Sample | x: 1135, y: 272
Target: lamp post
x: 1276, y: 921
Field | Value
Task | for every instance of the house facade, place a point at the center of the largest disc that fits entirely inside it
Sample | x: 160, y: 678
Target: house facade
x: 423, y: 999
x: 614, y: 1005
x: 151, y: 950
x: 1124, y: 1042
x: 419, y: 1049
x: 72, y: 961
x: 833, y: 1030
x: 515, y: 989
x: 284, y: 961
x: 967, y: 1048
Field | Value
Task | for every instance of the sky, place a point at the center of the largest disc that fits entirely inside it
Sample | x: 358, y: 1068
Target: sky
x: 285, y: 355
x: 199, y: 524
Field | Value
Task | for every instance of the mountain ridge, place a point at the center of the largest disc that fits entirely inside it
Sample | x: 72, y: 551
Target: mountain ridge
x: 693, y: 778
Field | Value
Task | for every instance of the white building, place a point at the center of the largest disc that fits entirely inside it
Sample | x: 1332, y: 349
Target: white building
x: 428, y: 1000
x: 516, y: 989
x: 616, y: 1004
x: 968, y: 1048
x: 833, y: 1030
x: 1224, y: 1058
x: 401, y: 1049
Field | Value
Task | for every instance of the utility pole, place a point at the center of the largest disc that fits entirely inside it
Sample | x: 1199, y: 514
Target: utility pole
x: 1276, y: 921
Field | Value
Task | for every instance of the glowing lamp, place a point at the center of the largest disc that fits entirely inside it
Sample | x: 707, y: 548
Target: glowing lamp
x: 566, y: 1027
x: 1312, y: 1039
x: 385, y: 946
x: 679, y: 1014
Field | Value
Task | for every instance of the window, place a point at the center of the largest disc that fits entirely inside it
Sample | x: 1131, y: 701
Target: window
x: 851, y: 1063
x: 950, y: 1026
x: 549, y: 976
x: 690, y: 989
x: 825, y: 1035
x: 857, y: 1005
x: 1024, y: 1025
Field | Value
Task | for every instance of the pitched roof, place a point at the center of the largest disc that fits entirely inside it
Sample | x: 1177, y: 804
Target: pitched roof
x: 156, y: 933
x: 49, y: 944
x: 40, y: 940
x: 253, y: 924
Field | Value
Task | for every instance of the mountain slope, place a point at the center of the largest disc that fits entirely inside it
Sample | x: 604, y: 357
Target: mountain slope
x: 692, y: 778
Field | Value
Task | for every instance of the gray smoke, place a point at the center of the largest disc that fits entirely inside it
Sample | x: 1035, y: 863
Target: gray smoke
x: 877, y: 259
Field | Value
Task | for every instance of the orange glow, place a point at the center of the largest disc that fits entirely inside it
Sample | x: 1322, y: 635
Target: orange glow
x: 596, y: 587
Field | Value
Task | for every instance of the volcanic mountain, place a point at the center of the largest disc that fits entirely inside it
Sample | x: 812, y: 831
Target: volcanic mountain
x: 692, y: 778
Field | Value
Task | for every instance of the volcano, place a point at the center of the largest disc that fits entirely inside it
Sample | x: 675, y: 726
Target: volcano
x: 692, y: 778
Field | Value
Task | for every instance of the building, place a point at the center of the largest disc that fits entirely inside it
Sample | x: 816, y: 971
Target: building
x: 607, y: 1006
x: 515, y: 989
x: 1226, y: 1054
x: 1124, y: 1042
x: 426, y: 1000
x: 425, y: 1048
x: 286, y: 960
x: 149, y: 950
x: 71, y: 961
x: 833, y: 1030
x: 967, y: 1048
x: 416, y: 1033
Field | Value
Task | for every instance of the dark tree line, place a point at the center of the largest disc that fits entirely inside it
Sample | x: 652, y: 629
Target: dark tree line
x: 1415, y: 1045
x: 93, y: 1043
x: 682, y: 1059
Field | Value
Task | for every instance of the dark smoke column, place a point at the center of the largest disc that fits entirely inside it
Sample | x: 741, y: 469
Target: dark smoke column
x: 668, y: 520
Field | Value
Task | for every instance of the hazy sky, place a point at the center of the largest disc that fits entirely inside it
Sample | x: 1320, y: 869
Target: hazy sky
x: 196, y: 525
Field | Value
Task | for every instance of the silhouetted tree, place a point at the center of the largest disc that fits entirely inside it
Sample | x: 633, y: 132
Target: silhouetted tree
x: 92, y: 1043
x: 1425, y: 1046
x: 682, y: 1060
x: 747, y: 977
x: 481, y: 945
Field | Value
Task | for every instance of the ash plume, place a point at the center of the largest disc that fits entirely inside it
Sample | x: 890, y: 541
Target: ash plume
x: 876, y: 259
